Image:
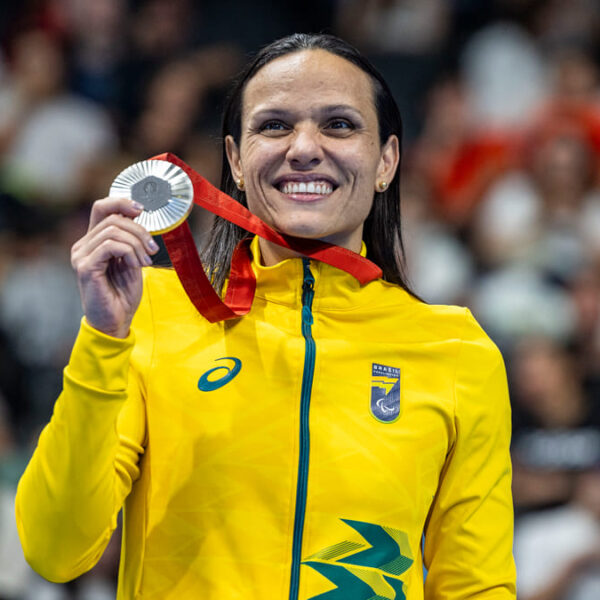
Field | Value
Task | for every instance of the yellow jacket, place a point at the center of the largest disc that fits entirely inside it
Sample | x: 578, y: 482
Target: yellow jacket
x: 319, y: 452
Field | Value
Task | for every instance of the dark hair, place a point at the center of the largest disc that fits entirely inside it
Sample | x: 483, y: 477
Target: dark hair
x: 381, y: 232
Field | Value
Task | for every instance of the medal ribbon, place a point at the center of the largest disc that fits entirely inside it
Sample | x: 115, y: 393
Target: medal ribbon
x: 242, y: 282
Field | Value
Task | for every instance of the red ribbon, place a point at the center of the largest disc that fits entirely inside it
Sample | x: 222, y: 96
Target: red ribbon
x: 242, y: 283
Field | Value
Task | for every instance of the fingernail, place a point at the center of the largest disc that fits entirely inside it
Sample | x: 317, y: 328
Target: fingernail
x: 153, y: 245
x: 137, y: 205
x: 147, y: 260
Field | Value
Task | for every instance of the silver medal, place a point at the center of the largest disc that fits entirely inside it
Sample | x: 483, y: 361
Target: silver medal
x: 164, y: 189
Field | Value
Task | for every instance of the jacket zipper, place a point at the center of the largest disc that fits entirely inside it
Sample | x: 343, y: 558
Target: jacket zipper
x: 307, y: 380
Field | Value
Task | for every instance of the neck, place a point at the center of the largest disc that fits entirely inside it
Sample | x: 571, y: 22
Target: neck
x: 272, y: 253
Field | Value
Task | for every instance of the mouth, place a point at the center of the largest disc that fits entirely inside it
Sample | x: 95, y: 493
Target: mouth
x: 306, y: 189
x: 320, y: 188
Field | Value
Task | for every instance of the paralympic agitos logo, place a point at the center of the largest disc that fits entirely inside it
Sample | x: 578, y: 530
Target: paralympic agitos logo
x: 210, y: 380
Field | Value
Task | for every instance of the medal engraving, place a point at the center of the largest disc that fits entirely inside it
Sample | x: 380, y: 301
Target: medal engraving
x: 152, y: 192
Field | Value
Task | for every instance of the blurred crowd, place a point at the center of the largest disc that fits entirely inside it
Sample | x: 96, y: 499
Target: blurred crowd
x: 501, y: 209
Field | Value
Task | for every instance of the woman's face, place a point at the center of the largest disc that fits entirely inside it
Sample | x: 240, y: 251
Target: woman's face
x: 309, y: 153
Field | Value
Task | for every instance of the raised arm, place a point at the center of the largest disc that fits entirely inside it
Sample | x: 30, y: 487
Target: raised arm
x: 87, y: 456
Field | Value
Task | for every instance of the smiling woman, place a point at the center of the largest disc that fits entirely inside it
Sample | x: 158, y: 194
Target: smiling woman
x: 348, y: 74
x: 327, y: 445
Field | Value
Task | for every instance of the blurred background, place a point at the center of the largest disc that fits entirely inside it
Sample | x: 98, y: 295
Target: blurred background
x: 501, y: 209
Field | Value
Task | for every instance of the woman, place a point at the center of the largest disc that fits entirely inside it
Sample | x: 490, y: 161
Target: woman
x: 352, y: 421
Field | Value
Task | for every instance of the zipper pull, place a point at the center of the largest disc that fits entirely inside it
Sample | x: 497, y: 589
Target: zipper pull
x: 309, y: 280
x: 307, y: 293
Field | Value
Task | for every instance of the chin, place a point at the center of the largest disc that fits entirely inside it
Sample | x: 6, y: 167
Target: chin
x: 306, y: 232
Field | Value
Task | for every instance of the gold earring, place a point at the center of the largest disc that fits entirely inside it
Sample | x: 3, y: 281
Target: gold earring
x: 240, y: 184
x: 382, y: 186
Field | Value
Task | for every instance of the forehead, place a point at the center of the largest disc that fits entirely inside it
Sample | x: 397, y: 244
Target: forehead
x: 308, y: 77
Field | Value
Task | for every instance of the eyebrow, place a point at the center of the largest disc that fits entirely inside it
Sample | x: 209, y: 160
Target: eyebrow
x: 326, y: 110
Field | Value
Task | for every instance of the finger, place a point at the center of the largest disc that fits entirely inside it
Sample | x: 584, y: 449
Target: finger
x: 109, y: 206
x: 114, y: 233
x: 99, y: 259
x: 126, y: 224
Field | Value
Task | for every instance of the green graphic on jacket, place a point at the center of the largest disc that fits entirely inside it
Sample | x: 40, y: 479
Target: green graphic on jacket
x: 365, y: 571
x: 207, y: 382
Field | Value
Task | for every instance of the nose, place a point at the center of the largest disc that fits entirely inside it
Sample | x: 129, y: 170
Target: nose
x: 305, y: 150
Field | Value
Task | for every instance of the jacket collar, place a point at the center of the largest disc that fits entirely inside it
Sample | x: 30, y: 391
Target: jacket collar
x: 282, y: 283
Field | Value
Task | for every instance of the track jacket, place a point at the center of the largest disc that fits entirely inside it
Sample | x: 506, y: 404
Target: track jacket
x: 328, y: 445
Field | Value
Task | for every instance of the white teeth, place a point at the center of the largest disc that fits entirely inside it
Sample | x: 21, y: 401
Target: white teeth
x: 321, y: 188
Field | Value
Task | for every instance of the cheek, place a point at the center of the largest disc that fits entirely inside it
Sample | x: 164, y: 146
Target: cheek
x: 248, y: 154
x: 364, y: 161
x: 362, y: 208
x: 259, y: 156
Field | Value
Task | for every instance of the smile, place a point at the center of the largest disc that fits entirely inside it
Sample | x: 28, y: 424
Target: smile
x: 321, y: 188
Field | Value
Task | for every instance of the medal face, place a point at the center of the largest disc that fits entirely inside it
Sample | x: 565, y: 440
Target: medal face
x: 164, y: 189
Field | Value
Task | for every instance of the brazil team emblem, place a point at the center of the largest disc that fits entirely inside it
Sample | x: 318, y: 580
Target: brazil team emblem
x: 385, y: 393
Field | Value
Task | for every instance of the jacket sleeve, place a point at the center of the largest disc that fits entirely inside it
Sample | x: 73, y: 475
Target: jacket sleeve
x: 86, y: 459
x: 469, y: 533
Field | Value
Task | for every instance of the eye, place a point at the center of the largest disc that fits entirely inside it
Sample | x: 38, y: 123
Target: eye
x: 273, y: 127
x: 340, y: 126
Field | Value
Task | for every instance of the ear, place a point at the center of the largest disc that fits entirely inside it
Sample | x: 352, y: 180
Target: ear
x: 233, y: 157
x: 388, y: 162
